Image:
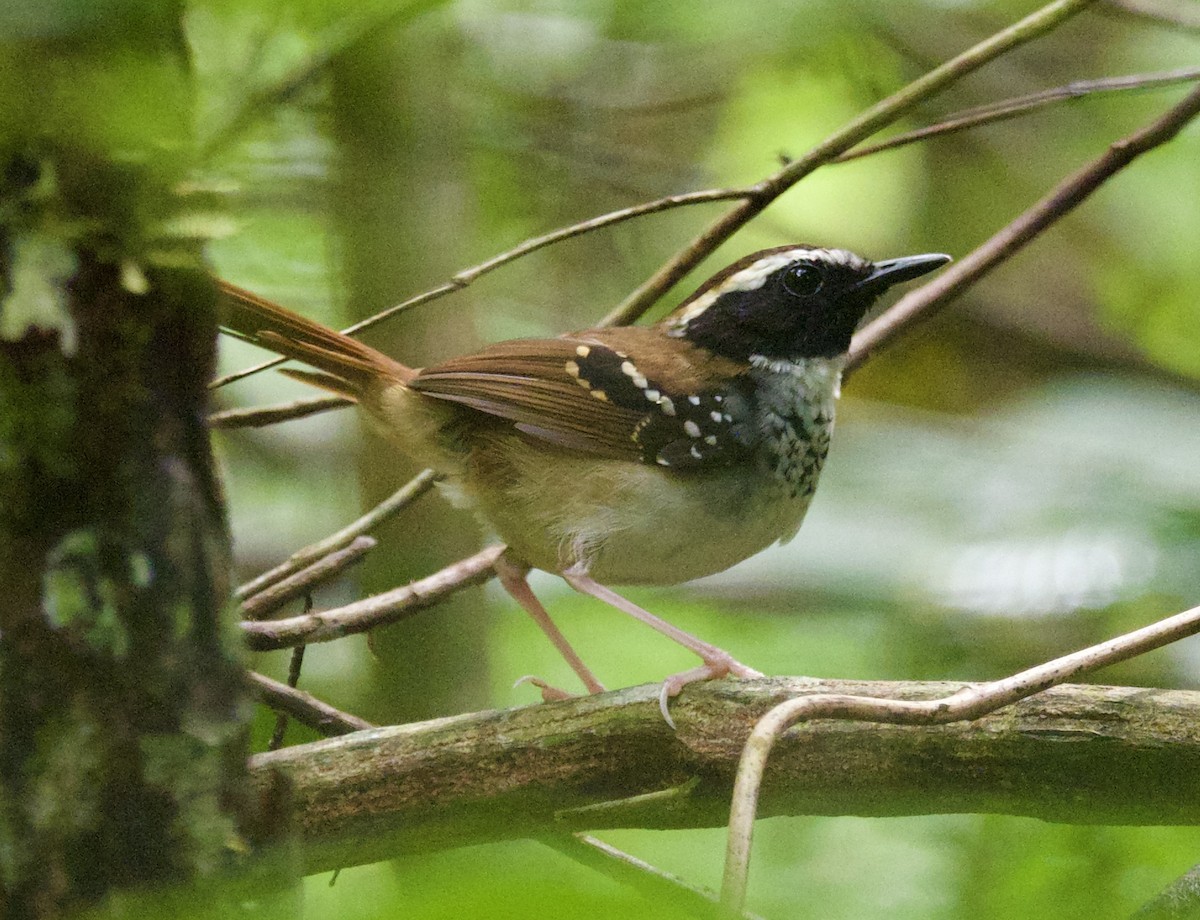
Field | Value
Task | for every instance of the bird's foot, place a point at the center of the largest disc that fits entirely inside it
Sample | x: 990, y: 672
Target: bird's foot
x: 551, y: 693
x: 717, y: 664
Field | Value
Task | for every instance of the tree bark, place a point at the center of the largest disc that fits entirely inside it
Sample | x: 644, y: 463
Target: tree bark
x: 1076, y: 754
x: 122, y: 701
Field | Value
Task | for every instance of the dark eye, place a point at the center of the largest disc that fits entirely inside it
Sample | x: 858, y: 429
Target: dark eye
x: 803, y: 280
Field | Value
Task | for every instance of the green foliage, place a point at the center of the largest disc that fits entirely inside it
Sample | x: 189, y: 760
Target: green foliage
x: 1037, y: 491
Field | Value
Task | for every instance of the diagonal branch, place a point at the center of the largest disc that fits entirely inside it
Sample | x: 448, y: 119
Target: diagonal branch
x: 371, y: 612
x: 1017, y: 106
x: 386, y: 509
x: 754, y: 198
x: 263, y: 416
x: 659, y: 887
x: 267, y: 601
x: 467, y: 276
x: 304, y: 707
x: 921, y: 303
x: 873, y: 119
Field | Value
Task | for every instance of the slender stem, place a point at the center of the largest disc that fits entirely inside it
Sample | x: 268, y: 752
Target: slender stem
x: 304, y: 707
x: 1023, y: 105
x: 270, y: 599
x: 658, y: 886
x: 969, y: 703
x: 389, y: 507
x: 921, y: 303
x: 371, y: 612
x: 273, y: 415
x: 863, y: 126
x: 295, y: 663
x: 755, y: 198
x: 465, y: 277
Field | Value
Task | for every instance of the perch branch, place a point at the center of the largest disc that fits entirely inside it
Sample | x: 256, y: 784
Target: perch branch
x: 970, y: 702
x: 1065, y: 755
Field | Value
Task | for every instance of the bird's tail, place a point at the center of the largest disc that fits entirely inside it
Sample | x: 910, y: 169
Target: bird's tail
x: 347, y: 366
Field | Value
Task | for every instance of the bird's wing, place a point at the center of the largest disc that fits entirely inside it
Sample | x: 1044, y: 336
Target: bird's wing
x: 601, y: 393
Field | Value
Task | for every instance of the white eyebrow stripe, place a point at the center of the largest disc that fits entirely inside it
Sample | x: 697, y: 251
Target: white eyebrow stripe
x: 751, y: 278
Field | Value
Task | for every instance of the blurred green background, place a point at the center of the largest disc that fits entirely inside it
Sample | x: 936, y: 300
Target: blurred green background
x: 1018, y: 478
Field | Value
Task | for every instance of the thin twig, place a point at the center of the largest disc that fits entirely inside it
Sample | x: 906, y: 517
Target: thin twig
x: 1023, y: 105
x: 959, y: 121
x: 657, y: 886
x: 377, y: 610
x: 295, y: 663
x: 270, y: 599
x: 465, y: 277
x: 969, y: 703
x: 756, y: 198
x: 304, y: 707
x: 921, y: 303
x: 390, y: 506
x: 873, y: 119
x: 273, y: 415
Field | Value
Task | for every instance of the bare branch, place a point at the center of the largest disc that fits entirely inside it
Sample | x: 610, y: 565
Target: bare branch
x: 389, y: 507
x: 465, y: 277
x: 971, y: 702
x: 959, y: 121
x: 374, y: 611
x: 921, y: 303
x: 658, y: 886
x: 295, y: 663
x: 270, y: 599
x: 304, y: 707
x: 1023, y: 105
x: 1064, y: 755
x: 873, y: 119
x: 273, y: 415
x: 756, y: 198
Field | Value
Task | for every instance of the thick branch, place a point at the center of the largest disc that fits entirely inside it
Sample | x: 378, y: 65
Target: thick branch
x: 1116, y: 755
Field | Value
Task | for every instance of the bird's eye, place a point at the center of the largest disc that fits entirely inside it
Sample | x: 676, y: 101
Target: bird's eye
x: 804, y: 279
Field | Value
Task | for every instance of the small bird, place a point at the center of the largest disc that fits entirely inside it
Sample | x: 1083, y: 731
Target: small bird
x: 625, y: 455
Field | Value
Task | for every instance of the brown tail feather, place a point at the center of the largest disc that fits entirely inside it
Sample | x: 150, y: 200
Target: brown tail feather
x: 356, y: 367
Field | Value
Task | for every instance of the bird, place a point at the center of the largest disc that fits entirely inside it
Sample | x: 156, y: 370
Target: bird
x: 628, y: 455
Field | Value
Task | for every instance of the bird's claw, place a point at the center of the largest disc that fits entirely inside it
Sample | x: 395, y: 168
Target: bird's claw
x: 550, y: 693
x: 714, y: 667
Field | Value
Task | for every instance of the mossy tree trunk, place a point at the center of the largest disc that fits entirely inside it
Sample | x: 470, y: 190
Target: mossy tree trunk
x: 122, y: 738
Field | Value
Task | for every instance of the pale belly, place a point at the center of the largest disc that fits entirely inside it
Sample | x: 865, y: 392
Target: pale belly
x: 630, y: 523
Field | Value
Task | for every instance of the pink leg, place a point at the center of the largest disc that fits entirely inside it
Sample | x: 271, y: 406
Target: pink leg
x: 717, y: 662
x: 512, y: 577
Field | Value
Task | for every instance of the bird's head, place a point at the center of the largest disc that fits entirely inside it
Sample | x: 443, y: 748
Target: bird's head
x: 790, y: 302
